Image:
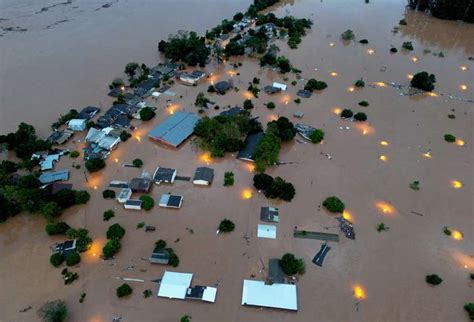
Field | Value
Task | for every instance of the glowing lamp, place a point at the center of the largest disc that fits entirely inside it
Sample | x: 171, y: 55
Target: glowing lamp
x: 456, y: 184
x: 384, y: 143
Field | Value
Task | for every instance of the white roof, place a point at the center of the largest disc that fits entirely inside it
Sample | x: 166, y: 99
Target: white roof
x: 108, y: 142
x: 48, y: 162
x: 280, y: 296
x: 79, y: 122
x: 94, y: 135
x: 209, y: 294
x: 279, y: 85
x: 174, y: 285
x: 156, y: 94
x: 266, y: 231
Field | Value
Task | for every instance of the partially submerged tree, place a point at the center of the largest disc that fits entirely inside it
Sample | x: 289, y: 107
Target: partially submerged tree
x: 95, y: 164
x: 226, y: 225
x: 146, y: 114
x: 423, y: 81
x: 54, y: 311
x: 147, y: 202
x: 124, y: 290
x: 317, y: 136
x: 115, y: 231
x: 334, y: 205
x: 433, y: 279
x: 348, y: 35
x: 292, y: 265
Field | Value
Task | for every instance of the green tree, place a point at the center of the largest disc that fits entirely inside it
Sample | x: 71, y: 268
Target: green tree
x: 54, y: 311
x: 137, y: 163
x: 56, y: 228
x: 131, y: 69
x: 360, y: 116
x: 348, y: 35
x: 115, y: 231
x: 73, y: 258
x: 262, y: 181
x: 469, y: 307
x: 359, y: 83
x: 146, y: 114
x: 51, y: 210
x: 108, y: 194
x: 228, y: 178
x: 449, y: 138
x: 56, y: 259
x: 346, y: 113
x: 271, y: 105
x: 82, y: 197
x: 111, y: 248
x: 147, y: 202
x: 317, y: 136
x: 423, y: 81
x: 187, y: 47
x: 124, y: 290
x: 248, y: 105
x: 95, y: 164
x: 201, y: 100
x: 160, y: 243
x: 226, y: 225
x: 173, y: 260
x: 433, y: 279
x: 291, y: 265
x: 74, y: 154
x: 313, y: 84
x: 334, y: 204
x: 108, y: 214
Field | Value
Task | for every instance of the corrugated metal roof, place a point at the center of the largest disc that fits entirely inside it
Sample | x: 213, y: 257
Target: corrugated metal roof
x: 280, y: 296
x: 174, y: 285
x: 48, y: 177
x: 175, y: 129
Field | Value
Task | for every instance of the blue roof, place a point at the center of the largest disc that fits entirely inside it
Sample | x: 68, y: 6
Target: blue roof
x: 175, y: 129
x: 48, y: 177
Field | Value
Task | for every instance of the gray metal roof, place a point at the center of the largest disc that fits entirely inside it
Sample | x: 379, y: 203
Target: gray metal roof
x: 251, y: 143
x: 175, y: 129
x: 204, y: 173
x: 48, y: 177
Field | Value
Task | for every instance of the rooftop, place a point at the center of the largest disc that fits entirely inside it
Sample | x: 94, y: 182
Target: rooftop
x: 167, y: 175
x: 174, y: 285
x: 251, y: 142
x: 279, y: 296
x: 175, y: 129
x: 140, y: 184
x: 204, y: 174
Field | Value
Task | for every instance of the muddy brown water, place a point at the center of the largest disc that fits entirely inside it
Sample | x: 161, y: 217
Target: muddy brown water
x: 46, y: 72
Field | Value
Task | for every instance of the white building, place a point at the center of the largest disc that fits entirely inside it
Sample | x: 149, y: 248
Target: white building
x: 283, y: 87
x: 133, y: 204
x: 266, y: 231
x: 278, y: 296
x: 176, y: 285
x: 77, y: 125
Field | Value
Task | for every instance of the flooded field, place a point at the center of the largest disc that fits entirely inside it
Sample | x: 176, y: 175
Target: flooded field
x: 377, y: 277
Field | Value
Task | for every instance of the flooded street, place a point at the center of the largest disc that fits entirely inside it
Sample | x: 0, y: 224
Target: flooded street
x: 46, y: 71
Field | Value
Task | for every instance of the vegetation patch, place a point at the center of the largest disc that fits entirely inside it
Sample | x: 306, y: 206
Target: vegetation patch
x: 147, y: 202
x: 292, y: 265
x: 313, y: 84
x: 334, y: 205
x: 274, y: 188
x: 433, y: 279
x: 317, y: 136
x: 226, y: 226
x: 108, y: 214
x: 423, y: 81
x: 449, y: 138
x: 108, y: 194
x: 124, y: 290
x: 228, y: 178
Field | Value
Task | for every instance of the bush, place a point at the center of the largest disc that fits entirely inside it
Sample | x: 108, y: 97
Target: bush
x: 81, y: 197
x: 297, y: 101
x: 73, y: 258
x: 147, y: 114
x: 348, y: 35
x: 95, y: 164
x: 111, y: 248
x: 364, y: 103
x: 83, y: 241
x: 137, y: 163
x: 317, y: 136
x: 360, y: 116
x: 226, y: 225
x: 147, y: 202
x: 415, y: 185
x: 313, y: 84
x: 451, y: 116
x: 280, y: 189
x: 228, y: 178
x: 363, y: 41
x: 423, y: 81
x: 393, y: 50
x: 65, y: 198
x: 108, y: 214
x: 449, y: 138
x: 334, y: 205
x: 124, y: 136
x: 211, y: 89
x: 108, y: 194
x: 55, y: 311
x: 407, y: 45
x: 286, y: 129
x: 74, y: 154
x: 402, y: 22
x: 469, y: 307
x: 262, y: 181
x: 346, y: 113
x: 248, y: 105
x: 56, y: 228
x: 124, y: 290
x: 271, y: 105
x: 115, y: 231
x: 56, y: 259
x: 160, y: 244
x: 173, y: 260
x: 291, y: 265
x: 185, y: 318
x: 359, y: 83
x: 433, y: 279
x: 51, y: 210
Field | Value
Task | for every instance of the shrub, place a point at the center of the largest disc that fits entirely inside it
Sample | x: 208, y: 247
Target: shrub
x: 402, y: 22
x: 381, y: 227
x: 393, y: 50
x: 360, y: 116
x: 280, y: 189
x: 147, y: 293
x: 271, y: 105
x: 226, y: 225
x: 469, y: 307
x: 346, y: 113
x: 423, y: 81
x: 262, y: 181
x: 173, y: 260
x: 137, y: 163
x: 56, y: 228
x: 297, y: 101
x: 81, y: 197
x: 147, y: 114
x: 363, y: 41
x: 108, y: 194
x: 74, y: 154
x: 364, y: 103
x: 124, y: 290
x: 451, y: 116
x: 334, y: 205
x: 56, y: 259
x: 55, y: 311
x: 471, y: 276
x: 95, y: 164
x: 317, y: 136
x: 294, y: 83
x: 211, y: 89
x: 449, y: 138
x: 124, y: 136
x: 185, y: 318
x: 291, y: 265
x: 433, y: 279
x: 348, y: 35
x: 415, y: 185
x: 115, y: 231
x: 140, y: 225
x: 51, y: 210
x: 147, y: 202
x: 160, y: 244
x: 228, y: 178
x: 108, y: 214
x: 248, y: 105
x: 447, y: 231
x: 407, y: 45
x: 359, y: 83
x: 313, y: 84
x: 73, y: 258
x: 111, y: 248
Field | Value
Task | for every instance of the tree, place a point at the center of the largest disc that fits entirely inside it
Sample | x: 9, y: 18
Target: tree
x: 317, y: 136
x: 286, y: 129
x: 359, y: 83
x: 346, y: 113
x: 433, y: 279
x: 364, y: 103
x: 469, y: 307
x: 248, y: 105
x: 108, y: 214
x: 423, y: 81
x: 271, y: 105
x: 81, y: 197
x: 211, y: 89
x: 228, y: 178
x: 185, y: 318
x: 291, y: 265
x: 124, y: 290
x: 83, y: 241
x: 115, y: 231
x: 74, y: 154
x: 262, y: 181
x: 187, y: 47
x: 56, y: 259
x: 226, y: 225
x: 313, y: 84
x: 348, y: 35
x: 73, y: 258
x: 334, y: 204
x: 160, y: 244
x: 449, y: 138
x: 131, y: 68
x: 111, y: 248
x: 65, y: 198
x: 201, y: 100
x: 360, y: 116
x: 95, y: 164
x: 137, y: 163
x: 173, y: 259
x: 56, y: 228
x: 124, y: 136
x: 284, y: 64
x: 51, y: 210
x: 233, y: 48
x: 238, y: 16
x: 146, y: 114
x: 266, y: 152
x: 54, y: 311
x: 147, y: 202
x: 108, y: 194
x: 407, y: 45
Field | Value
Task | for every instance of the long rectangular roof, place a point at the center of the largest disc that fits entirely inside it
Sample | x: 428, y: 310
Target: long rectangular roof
x: 279, y: 296
x: 175, y: 129
x: 174, y: 285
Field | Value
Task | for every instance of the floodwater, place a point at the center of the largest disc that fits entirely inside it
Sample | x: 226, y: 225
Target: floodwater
x: 46, y: 72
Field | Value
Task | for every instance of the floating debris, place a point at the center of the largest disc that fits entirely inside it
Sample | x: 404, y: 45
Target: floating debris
x: 346, y: 227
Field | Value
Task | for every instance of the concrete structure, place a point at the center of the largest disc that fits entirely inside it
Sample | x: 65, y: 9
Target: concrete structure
x: 77, y: 125
x: 134, y: 204
x: 283, y: 87
x: 170, y: 201
x: 278, y: 296
x: 49, y: 161
x: 175, y: 129
x: 266, y: 231
x: 192, y: 78
x: 203, y: 176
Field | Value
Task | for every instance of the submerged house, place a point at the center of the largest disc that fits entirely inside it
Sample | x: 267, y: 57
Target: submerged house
x: 269, y: 214
x: 145, y: 88
x: 250, y: 144
x: 140, y: 185
x: 269, y: 89
x: 124, y: 195
x: 66, y: 247
x: 203, y: 176
x: 49, y: 161
x: 60, y: 137
x: 176, y: 285
x: 275, y: 272
x: 77, y: 125
x: 53, y: 176
x: 191, y: 78
x: 175, y: 129
x: 88, y: 112
x: 304, y: 130
x: 277, y: 296
x: 164, y: 175
x: 223, y: 86
x: 160, y: 256
x: 234, y: 111
x: 266, y: 231
x: 134, y: 204
x: 170, y: 201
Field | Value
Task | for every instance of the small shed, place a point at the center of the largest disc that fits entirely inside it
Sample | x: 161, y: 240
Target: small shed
x: 174, y: 285
x: 140, y: 185
x: 124, y: 195
x: 166, y: 175
x: 250, y: 144
x: 77, y: 125
x: 266, y: 231
x: 134, y: 204
x: 223, y: 86
x: 66, y: 247
x: 281, y: 86
x: 170, y: 201
x: 118, y: 184
x: 269, y: 214
x: 304, y: 93
x: 203, y: 176
x: 203, y: 293
x: 159, y: 256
